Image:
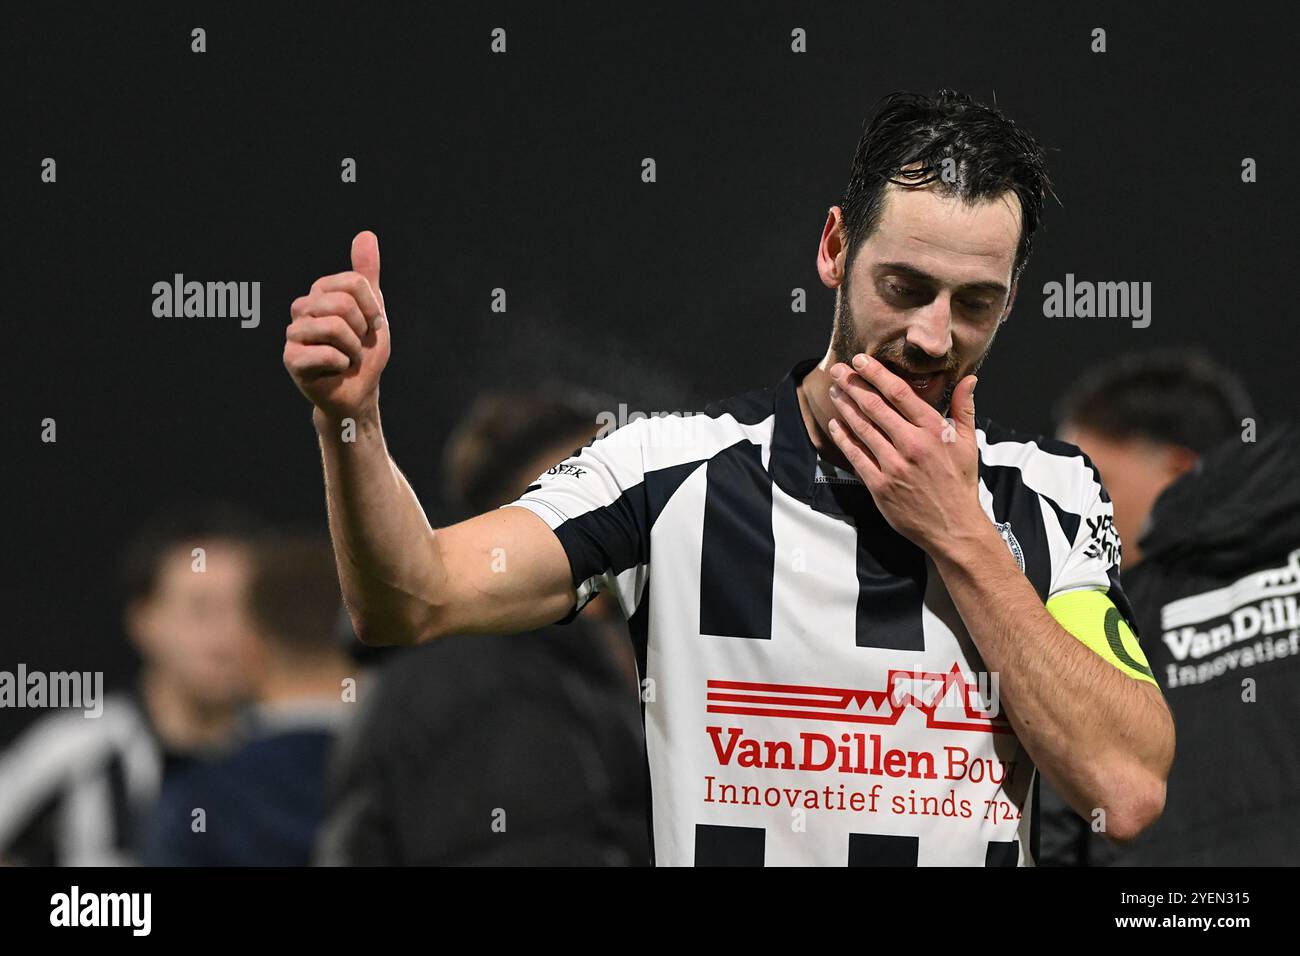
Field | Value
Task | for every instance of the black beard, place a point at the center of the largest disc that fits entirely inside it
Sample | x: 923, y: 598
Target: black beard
x: 845, y: 344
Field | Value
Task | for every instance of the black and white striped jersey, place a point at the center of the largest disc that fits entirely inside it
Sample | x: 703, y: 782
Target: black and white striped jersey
x: 810, y: 694
x: 73, y: 787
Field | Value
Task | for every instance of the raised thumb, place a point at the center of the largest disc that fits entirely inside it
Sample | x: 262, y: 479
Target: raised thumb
x: 365, y: 257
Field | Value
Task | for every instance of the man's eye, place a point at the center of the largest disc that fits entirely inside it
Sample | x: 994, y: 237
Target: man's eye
x: 899, y: 290
x: 977, y: 306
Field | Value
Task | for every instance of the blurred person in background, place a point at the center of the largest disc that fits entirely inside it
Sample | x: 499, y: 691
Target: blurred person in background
x: 261, y: 803
x: 74, y: 790
x: 1208, y: 508
x: 520, y: 749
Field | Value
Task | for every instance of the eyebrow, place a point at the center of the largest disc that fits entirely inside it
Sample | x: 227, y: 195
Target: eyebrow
x: 902, y: 268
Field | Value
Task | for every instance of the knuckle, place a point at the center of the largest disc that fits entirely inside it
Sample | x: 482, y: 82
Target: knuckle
x: 355, y: 318
x: 348, y: 305
x: 332, y: 334
x: 343, y: 333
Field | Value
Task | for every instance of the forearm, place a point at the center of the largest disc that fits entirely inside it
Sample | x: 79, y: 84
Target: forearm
x: 1104, y: 740
x: 385, y: 549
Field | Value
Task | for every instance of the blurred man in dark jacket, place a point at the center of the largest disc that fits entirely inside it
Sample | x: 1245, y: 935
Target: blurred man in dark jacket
x: 522, y: 750
x: 1212, y: 502
x: 262, y: 802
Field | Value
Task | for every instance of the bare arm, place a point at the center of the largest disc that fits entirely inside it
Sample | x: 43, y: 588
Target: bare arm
x: 1104, y: 740
x: 404, y: 582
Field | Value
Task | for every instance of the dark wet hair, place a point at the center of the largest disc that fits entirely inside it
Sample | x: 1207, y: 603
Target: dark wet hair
x: 990, y: 156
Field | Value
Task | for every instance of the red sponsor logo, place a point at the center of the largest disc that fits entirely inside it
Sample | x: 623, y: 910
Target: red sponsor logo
x: 951, y: 701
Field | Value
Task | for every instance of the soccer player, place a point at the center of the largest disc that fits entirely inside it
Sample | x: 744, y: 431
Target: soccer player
x: 862, y: 627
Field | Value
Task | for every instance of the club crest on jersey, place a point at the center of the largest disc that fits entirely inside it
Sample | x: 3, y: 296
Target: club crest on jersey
x: 1004, y: 529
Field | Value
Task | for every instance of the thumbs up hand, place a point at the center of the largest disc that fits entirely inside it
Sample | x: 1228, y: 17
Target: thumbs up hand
x: 337, y: 342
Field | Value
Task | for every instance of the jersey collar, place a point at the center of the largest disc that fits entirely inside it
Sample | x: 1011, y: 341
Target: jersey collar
x: 793, y: 463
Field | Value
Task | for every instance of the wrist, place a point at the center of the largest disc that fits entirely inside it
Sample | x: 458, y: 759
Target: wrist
x: 361, y: 420
x: 968, y: 542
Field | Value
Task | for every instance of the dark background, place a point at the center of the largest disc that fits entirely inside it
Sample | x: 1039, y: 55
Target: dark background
x: 523, y: 171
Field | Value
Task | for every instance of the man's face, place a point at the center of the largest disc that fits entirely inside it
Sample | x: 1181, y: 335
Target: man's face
x: 927, y: 290
x: 195, y: 629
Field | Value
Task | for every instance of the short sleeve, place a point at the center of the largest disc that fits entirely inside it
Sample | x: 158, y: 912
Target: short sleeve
x: 1094, y: 557
x: 595, y: 503
x: 1087, y: 598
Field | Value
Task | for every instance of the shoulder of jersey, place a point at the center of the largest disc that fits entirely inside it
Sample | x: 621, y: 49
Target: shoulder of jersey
x: 1001, y: 446
x: 684, y: 436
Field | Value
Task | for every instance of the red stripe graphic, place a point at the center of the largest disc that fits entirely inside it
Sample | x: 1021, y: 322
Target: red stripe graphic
x: 929, y: 692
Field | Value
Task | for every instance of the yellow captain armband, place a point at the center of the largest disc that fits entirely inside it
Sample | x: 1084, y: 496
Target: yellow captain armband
x: 1091, y: 616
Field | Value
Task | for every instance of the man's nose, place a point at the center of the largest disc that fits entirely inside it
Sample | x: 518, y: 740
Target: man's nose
x: 931, y: 328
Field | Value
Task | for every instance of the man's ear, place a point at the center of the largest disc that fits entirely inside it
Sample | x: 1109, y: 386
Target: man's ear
x: 1179, y: 461
x: 831, y: 251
